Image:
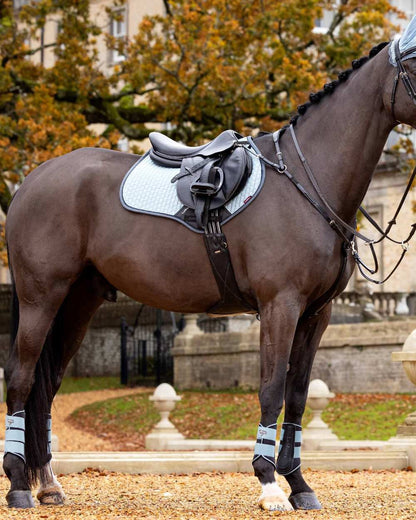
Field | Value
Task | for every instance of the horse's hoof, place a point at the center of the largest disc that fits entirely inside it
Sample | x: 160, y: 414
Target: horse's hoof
x: 20, y: 499
x: 305, y: 500
x: 51, y: 497
x: 276, y: 503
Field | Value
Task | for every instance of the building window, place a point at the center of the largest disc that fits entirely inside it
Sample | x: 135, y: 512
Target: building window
x: 119, y: 32
x: 323, y: 24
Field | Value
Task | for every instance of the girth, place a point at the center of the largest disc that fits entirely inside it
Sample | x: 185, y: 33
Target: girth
x: 210, y: 176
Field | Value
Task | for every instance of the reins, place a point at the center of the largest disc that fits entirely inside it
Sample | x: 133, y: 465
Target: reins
x: 343, y: 229
x: 348, y: 233
x: 368, y: 241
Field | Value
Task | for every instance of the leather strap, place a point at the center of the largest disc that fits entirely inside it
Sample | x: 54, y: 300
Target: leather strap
x: 231, y: 300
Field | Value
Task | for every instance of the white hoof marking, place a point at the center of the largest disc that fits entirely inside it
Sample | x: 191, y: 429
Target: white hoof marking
x: 274, y: 499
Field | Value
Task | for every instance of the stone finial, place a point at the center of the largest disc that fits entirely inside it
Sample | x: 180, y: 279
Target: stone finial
x: 164, y: 398
x: 317, y: 430
x: 408, y: 356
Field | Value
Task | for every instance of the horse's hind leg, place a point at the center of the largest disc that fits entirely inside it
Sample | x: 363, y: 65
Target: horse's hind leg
x: 278, y: 325
x: 35, y: 321
x: 84, y: 298
x: 307, y: 338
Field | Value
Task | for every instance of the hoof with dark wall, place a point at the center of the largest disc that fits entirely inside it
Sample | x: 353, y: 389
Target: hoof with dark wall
x: 20, y: 499
x: 305, y: 501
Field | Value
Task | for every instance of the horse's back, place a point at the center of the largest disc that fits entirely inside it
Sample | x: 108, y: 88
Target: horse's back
x: 67, y: 214
x: 69, y: 170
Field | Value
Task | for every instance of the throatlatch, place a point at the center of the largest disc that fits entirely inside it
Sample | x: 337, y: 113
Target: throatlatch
x: 265, y: 444
x: 288, y: 460
x: 14, y: 441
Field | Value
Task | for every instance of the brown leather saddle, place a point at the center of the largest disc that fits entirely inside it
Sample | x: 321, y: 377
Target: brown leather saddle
x: 210, y: 175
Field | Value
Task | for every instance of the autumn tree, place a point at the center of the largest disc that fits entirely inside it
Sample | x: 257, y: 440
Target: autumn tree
x: 242, y: 64
x: 205, y: 66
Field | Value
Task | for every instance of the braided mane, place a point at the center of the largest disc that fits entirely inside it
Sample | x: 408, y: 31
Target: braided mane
x: 328, y: 88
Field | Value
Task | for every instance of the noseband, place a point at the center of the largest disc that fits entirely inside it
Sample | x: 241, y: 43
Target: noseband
x: 403, y: 75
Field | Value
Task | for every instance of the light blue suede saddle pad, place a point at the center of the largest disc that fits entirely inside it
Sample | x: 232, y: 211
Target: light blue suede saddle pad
x: 147, y: 188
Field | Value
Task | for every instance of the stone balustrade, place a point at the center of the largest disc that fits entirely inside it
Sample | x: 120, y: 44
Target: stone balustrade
x: 386, y: 304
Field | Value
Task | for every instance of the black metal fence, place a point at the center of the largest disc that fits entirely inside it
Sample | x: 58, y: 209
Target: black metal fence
x: 146, y: 357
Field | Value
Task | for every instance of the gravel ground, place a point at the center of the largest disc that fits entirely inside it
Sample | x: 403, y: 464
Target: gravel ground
x: 384, y: 495
x: 217, y: 496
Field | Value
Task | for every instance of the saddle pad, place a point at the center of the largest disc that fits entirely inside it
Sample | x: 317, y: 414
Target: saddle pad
x: 147, y: 188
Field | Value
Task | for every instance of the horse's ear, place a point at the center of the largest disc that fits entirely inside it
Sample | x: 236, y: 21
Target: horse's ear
x: 408, y: 39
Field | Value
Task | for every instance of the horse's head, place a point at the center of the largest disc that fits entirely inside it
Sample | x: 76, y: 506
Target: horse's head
x: 402, y: 55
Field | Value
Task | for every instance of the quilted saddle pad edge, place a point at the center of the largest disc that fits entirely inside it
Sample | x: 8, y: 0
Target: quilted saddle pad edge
x: 179, y: 206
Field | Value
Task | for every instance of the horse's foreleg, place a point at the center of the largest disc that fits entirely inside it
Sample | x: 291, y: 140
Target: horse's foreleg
x: 307, y: 338
x: 278, y: 324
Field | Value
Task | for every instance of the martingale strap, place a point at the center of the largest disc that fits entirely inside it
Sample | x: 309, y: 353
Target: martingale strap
x: 14, y: 441
x: 288, y: 460
x: 265, y: 444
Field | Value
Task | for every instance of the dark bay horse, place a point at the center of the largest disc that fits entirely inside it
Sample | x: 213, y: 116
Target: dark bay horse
x: 71, y: 243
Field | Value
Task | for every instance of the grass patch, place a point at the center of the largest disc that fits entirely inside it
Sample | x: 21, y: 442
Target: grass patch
x: 235, y: 415
x: 368, y: 416
x: 85, y: 384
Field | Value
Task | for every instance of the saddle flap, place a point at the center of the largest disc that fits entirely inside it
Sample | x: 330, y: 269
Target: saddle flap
x: 206, y: 184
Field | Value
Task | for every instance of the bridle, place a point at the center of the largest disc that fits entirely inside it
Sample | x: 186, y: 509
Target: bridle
x: 401, y: 75
x: 348, y: 233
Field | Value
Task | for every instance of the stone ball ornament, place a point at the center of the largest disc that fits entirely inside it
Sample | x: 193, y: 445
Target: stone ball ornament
x: 165, y: 398
x: 408, y: 357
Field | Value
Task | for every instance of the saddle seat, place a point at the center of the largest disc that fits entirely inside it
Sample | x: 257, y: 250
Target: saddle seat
x: 170, y: 153
x: 210, y: 175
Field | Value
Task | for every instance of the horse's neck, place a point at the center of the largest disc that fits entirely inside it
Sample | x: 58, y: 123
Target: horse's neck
x: 343, y: 136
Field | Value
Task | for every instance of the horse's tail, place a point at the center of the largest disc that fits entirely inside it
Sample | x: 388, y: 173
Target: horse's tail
x: 14, y: 314
x: 38, y: 404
